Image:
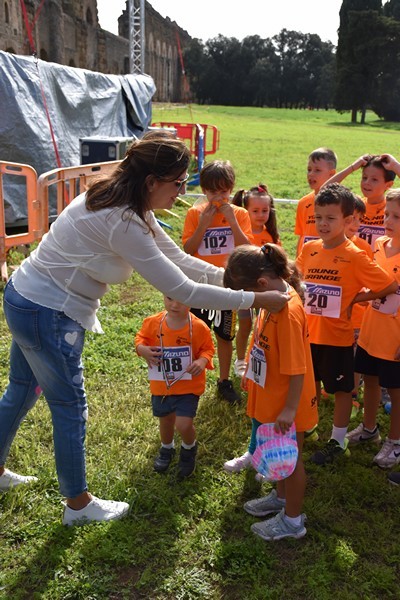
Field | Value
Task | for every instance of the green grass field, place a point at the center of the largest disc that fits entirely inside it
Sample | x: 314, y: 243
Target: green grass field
x: 192, y: 540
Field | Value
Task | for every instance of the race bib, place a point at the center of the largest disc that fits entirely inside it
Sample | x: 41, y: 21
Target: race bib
x: 323, y: 300
x: 175, y: 362
x: 257, y: 366
x: 370, y: 233
x: 388, y: 305
x: 217, y: 241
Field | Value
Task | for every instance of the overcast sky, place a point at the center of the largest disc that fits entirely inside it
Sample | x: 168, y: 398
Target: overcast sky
x: 205, y: 19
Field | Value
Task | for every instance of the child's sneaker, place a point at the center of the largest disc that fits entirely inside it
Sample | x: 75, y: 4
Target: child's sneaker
x: 388, y: 456
x: 355, y: 408
x: 187, y: 461
x: 278, y: 528
x: 311, y: 435
x: 360, y: 435
x: 163, y: 459
x: 239, y: 367
x: 235, y: 465
x: 330, y: 452
x: 96, y: 510
x: 394, y: 478
x: 9, y: 480
x: 228, y: 392
x: 261, y: 507
x: 388, y: 407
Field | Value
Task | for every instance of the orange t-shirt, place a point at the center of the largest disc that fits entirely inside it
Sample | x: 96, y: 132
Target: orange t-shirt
x: 333, y: 278
x: 380, y: 330
x: 217, y: 243
x: 305, y: 220
x: 358, y: 311
x: 283, y: 350
x: 264, y: 237
x: 181, y: 347
x: 372, y: 223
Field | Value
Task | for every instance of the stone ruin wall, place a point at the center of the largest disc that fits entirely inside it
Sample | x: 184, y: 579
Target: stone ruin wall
x: 68, y: 32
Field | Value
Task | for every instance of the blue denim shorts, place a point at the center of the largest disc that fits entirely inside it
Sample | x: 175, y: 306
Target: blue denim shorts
x: 184, y: 405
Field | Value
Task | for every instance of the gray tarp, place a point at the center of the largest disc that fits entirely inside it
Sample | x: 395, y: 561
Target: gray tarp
x: 81, y: 103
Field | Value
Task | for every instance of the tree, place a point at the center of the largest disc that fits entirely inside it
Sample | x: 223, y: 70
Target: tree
x: 354, y: 70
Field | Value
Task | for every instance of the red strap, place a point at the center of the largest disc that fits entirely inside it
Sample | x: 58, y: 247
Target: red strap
x: 29, y: 27
x: 53, y: 138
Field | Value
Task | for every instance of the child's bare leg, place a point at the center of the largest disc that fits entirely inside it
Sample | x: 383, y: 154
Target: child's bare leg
x: 167, y: 428
x: 293, y: 488
x: 342, y: 410
x: 242, y: 337
x: 185, y: 427
x: 224, y: 350
x: 394, y: 431
x: 318, y: 391
x: 372, y: 400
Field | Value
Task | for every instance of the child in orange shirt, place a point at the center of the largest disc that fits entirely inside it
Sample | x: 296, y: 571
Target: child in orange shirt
x: 260, y: 206
x: 376, y: 180
x: 177, y: 347
x: 378, y: 351
x: 334, y: 271
x: 321, y: 166
x: 210, y: 232
x: 358, y: 309
x: 279, y: 378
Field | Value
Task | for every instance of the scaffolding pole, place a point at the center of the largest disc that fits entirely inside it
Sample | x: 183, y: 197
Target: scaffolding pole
x: 136, y: 36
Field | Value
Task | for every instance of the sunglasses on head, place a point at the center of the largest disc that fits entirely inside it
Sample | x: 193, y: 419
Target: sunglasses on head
x: 180, y: 183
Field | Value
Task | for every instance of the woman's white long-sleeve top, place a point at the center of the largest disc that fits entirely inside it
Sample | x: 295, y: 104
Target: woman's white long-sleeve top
x: 84, y: 252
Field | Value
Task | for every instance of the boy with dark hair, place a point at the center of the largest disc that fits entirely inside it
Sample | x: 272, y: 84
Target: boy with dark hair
x: 321, y: 166
x: 334, y: 271
x: 211, y: 231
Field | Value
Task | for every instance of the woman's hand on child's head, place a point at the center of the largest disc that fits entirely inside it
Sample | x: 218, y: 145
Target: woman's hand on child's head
x: 285, y: 420
x: 273, y: 301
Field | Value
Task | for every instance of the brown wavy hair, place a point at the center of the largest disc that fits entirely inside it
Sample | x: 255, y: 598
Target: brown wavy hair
x: 162, y: 156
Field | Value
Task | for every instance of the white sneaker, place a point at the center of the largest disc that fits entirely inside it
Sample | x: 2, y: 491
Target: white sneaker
x: 238, y: 464
x: 240, y: 367
x: 388, y: 456
x: 96, y: 510
x: 9, y: 480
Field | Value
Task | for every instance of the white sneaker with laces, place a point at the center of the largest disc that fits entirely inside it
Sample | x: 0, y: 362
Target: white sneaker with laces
x: 96, y: 510
x: 235, y: 465
x: 240, y: 367
x: 388, y: 456
x: 9, y: 480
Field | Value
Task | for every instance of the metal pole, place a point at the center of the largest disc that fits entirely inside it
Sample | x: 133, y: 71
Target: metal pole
x: 136, y: 35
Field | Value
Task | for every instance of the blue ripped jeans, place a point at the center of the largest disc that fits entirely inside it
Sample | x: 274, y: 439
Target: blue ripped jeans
x: 46, y: 355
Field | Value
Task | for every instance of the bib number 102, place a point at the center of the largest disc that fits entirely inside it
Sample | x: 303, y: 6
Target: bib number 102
x: 215, y: 241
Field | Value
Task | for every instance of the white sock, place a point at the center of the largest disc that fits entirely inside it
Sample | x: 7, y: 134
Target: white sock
x: 339, y: 434
x: 188, y: 446
x: 295, y: 521
x: 168, y: 446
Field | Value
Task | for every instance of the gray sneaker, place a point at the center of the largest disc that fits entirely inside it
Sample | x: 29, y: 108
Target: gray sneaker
x: 277, y: 528
x: 360, y: 435
x: 388, y: 456
x: 260, y: 507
